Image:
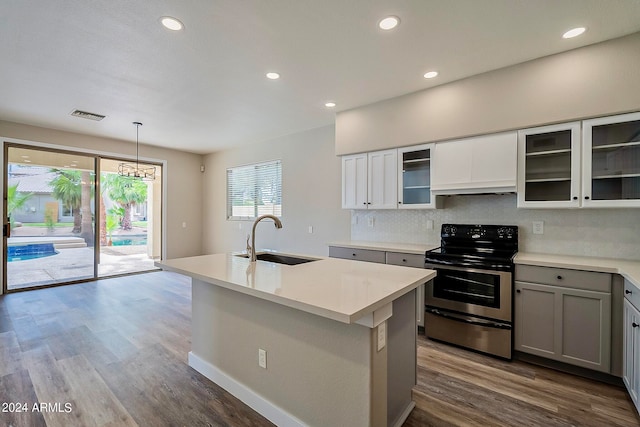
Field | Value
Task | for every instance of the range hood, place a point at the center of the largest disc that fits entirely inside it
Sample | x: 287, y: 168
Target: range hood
x: 480, y: 165
x: 495, y: 187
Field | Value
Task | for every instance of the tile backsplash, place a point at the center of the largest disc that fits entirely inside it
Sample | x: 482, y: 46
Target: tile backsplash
x: 608, y: 233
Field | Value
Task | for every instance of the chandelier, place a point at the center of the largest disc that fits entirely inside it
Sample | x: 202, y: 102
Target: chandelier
x: 130, y: 170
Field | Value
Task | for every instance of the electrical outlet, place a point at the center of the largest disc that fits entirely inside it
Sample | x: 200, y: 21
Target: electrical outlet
x: 311, y: 229
x: 184, y: 225
x: 262, y: 358
x: 382, y: 335
x: 538, y: 227
x: 370, y: 221
x: 429, y: 224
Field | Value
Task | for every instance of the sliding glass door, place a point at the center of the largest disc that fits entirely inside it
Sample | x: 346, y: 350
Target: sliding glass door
x: 49, y: 211
x: 71, y: 217
x: 130, y: 221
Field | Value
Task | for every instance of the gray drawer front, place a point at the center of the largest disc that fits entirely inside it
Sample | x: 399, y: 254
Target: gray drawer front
x: 577, y: 279
x: 407, y: 260
x: 357, y: 254
x: 632, y: 293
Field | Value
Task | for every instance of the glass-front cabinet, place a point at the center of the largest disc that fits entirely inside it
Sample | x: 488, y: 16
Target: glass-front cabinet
x: 591, y: 164
x: 549, y: 166
x: 611, y: 161
x: 414, y: 177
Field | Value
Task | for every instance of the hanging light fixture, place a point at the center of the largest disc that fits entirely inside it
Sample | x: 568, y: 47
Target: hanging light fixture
x: 147, y: 173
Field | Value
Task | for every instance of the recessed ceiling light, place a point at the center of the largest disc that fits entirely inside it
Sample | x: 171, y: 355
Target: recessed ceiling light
x: 171, y: 23
x: 575, y: 32
x: 330, y: 104
x: 273, y: 76
x: 430, y: 74
x: 389, y: 23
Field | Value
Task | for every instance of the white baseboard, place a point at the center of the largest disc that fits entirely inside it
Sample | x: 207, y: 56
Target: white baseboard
x: 273, y: 413
x: 405, y: 414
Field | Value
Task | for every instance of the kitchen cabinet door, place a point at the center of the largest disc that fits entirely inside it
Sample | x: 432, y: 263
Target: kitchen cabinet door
x: 631, y: 355
x: 611, y: 161
x: 414, y: 177
x: 354, y: 181
x: 549, y: 166
x: 535, y: 319
x: 484, y: 164
x: 382, y: 180
x: 565, y: 324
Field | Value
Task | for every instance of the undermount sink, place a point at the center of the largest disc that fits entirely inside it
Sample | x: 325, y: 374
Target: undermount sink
x: 280, y: 259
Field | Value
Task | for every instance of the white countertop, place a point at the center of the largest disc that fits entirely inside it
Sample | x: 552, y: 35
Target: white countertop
x: 337, y: 289
x: 383, y: 246
x: 626, y: 268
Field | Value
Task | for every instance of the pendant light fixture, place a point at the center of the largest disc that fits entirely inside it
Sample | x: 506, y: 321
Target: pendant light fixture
x: 147, y: 173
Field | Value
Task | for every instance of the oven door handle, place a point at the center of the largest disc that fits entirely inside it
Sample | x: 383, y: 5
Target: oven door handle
x: 465, y: 319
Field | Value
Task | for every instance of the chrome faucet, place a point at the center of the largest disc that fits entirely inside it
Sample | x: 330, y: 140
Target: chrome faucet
x: 251, y: 248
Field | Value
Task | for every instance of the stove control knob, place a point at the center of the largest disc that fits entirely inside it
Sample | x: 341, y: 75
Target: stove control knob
x: 446, y: 230
x: 453, y: 230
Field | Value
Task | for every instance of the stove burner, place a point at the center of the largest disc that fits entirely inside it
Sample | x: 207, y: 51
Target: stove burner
x: 481, y: 246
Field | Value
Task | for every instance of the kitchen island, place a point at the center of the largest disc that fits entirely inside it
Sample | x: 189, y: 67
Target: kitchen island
x: 338, y: 336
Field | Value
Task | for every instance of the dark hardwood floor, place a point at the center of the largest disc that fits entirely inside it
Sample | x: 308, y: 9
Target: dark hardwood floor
x: 114, y: 353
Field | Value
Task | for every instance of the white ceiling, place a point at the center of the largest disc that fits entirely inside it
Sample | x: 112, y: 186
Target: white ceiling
x: 204, y: 88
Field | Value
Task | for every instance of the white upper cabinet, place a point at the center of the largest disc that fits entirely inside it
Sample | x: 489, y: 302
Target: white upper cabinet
x: 369, y: 180
x: 549, y: 166
x: 611, y: 161
x: 383, y: 179
x: 414, y: 177
x: 354, y: 181
x: 592, y: 164
x: 484, y: 164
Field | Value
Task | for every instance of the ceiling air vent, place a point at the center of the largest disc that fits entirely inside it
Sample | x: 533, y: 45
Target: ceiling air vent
x: 87, y: 115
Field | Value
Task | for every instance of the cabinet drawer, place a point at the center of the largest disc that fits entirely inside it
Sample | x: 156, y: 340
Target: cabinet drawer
x: 407, y: 260
x: 357, y: 254
x: 632, y: 293
x: 577, y: 279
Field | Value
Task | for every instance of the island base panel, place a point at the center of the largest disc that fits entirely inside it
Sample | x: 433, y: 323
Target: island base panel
x: 319, y: 371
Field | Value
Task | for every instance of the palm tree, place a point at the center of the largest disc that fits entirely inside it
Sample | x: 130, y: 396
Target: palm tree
x: 68, y: 189
x: 86, y: 190
x: 127, y: 192
x: 15, y: 200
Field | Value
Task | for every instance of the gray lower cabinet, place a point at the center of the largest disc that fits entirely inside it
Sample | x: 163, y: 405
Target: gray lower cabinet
x: 565, y: 316
x: 631, y: 354
x: 357, y: 254
x: 386, y: 257
x: 411, y: 260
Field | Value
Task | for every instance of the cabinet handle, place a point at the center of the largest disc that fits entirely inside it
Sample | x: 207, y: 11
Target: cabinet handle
x: 559, y: 277
x: 518, y: 291
x: 586, y: 197
x: 399, y: 202
x: 635, y: 325
x: 575, y: 197
x: 353, y: 254
x: 404, y: 260
x: 627, y: 292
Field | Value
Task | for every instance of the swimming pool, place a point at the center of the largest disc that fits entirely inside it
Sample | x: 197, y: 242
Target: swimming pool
x: 128, y: 240
x: 30, y: 251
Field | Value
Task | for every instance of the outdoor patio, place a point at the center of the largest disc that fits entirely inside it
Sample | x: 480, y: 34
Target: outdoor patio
x: 73, y: 261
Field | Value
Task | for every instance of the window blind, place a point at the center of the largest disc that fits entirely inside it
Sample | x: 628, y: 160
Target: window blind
x: 254, y: 190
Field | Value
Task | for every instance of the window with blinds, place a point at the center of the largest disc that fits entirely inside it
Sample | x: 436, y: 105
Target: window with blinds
x: 254, y: 190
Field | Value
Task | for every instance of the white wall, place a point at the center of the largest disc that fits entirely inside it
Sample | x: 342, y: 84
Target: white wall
x: 609, y: 233
x: 311, y: 194
x: 596, y: 80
